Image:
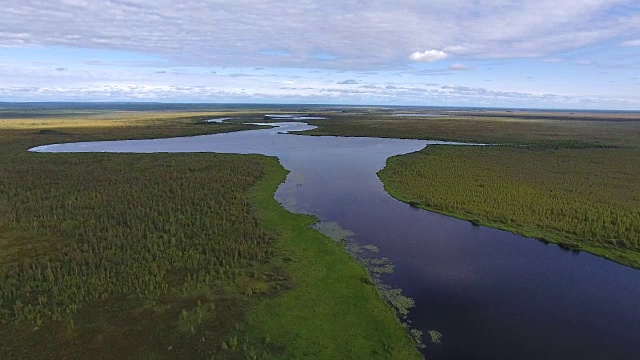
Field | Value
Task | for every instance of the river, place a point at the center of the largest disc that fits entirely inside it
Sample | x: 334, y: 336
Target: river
x: 492, y: 294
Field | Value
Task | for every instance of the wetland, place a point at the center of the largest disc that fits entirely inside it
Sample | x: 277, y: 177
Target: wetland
x: 491, y: 293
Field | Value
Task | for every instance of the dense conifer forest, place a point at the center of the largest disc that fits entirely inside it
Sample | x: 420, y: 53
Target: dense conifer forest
x: 169, y: 256
x: 548, y: 194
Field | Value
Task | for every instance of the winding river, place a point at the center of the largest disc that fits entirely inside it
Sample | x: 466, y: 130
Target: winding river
x: 492, y: 294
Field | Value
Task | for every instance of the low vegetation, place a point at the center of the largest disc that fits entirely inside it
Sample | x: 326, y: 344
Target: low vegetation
x: 513, y: 129
x: 170, y: 256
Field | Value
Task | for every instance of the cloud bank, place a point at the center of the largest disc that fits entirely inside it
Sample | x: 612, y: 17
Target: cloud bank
x: 580, y: 53
x: 301, y: 33
x: 631, y: 43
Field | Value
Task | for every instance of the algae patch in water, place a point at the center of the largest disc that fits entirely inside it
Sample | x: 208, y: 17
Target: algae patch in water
x: 333, y: 230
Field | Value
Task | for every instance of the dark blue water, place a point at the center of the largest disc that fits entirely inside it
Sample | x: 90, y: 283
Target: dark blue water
x: 492, y: 294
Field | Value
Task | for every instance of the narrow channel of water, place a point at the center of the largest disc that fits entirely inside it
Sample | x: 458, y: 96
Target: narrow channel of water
x: 492, y: 294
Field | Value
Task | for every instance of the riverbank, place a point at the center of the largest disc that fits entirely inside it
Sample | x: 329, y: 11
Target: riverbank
x: 580, y: 199
x: 332, y: 310
x: 574, y: 183
x: 262, y: 284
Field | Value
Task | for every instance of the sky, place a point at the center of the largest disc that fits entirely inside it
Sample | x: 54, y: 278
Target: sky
x: 571, y: 54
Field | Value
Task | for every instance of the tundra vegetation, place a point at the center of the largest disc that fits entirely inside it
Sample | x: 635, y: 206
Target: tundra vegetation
x: 176, y: 256
x: 567, y: 178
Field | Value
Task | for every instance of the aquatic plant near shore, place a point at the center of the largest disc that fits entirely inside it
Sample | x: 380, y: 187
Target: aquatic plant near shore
x: 436, y: 336
x: 376, y: 266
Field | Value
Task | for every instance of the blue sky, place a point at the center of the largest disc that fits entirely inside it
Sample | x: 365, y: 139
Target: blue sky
x: 549, y: 54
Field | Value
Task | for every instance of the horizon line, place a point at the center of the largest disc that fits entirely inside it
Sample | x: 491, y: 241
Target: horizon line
x: 106, y: 102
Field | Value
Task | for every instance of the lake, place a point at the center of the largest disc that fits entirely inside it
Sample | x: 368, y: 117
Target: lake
x: 492, y: 294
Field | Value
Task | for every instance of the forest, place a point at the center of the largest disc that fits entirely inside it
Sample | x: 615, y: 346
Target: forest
x: 154, y: 256
x: 554, y: 195
x: 159, y: 233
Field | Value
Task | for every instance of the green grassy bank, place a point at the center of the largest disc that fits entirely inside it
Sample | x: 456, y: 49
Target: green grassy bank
x: 332, y: 311
x: 170, y: 256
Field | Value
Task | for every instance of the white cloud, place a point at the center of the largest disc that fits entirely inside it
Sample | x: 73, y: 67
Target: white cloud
x: 631, y: 43
x: 455, y: 49
x: 405, y: 94
x: 208, y: 50
x: 458, y: 67
x: 428, y: 56
x: 242, y: 32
